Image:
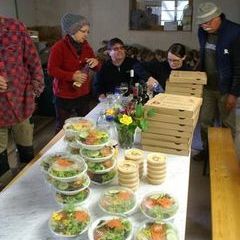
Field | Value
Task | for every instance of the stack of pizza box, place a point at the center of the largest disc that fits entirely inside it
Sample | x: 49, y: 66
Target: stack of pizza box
x: 187, y: 83
x: 171, y: 128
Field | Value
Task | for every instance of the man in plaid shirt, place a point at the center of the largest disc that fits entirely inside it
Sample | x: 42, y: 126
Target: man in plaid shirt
x: 21, y: 80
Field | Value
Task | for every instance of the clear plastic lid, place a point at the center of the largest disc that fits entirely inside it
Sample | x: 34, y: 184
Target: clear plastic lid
x: 118, y: 201
x: 159, y: 205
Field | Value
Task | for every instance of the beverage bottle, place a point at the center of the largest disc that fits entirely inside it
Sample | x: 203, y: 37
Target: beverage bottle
x: 131, y: 82
x: 157, y: 88
x: 144, y: 95
x: 85, y: 69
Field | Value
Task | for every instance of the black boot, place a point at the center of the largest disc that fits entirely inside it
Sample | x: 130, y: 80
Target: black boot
x: 4, y: 166
x: 26, y: 154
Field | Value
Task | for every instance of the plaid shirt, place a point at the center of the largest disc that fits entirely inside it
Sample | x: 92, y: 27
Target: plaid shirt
x: 20, y: 65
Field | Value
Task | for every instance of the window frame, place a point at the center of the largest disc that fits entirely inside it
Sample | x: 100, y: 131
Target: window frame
x: 133, y: 6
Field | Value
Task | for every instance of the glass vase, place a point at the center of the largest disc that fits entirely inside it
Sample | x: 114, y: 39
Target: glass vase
x: 125, y: 136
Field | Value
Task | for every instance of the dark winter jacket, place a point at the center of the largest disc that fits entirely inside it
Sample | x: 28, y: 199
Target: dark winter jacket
x: 227, y: 56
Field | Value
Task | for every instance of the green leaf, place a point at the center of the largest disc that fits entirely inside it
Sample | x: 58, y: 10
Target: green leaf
x: 151, y: 112
x: 139, y: 111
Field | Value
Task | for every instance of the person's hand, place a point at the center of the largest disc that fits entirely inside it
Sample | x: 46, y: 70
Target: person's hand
x: 151, y: 82
x: 79, y: 77
x: 101, y: 97
x: 231, y: 102
x: 3, y: 84
x: 92, y: 62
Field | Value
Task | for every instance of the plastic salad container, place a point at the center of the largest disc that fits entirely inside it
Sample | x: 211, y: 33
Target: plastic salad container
x: 159, y: 205
x: 71, y: 187
x: 69, y: 222
x: 75, y: 199
x: 93, y: 139
x: 111, y: 227
x: 67, y: 168
x: 102, y: 178
x: 75, y: 125
x: 99, y: 155
x: 157, y: 230
x: 118, y: 201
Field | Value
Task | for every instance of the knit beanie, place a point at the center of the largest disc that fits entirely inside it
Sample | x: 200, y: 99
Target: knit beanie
x: 71, y: 23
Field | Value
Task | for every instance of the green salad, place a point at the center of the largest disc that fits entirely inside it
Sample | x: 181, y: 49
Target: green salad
x: 47, y: 162
x: 114, y: 229
x: 65, y: 168
x: 118, y: 200
x: 159, y: 206
x: 158, y: 231
x: 69, y: 221
x: 100, y: 166
x: 103, y: 177
x: 80, y: 183
x: 93, y: 137
x: 95, y: 154
x: 73, y: 199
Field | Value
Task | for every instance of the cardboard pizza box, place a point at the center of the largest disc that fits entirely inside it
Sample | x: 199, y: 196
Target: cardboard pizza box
x: 190, y: 121
x: 185, y: 85
x: 188, y: 77
x: 162, y: 137
x: 177, y: 105
x: 165, y: 144
x: 166, y: 150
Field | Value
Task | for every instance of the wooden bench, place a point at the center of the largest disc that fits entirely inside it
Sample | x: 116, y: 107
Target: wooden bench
x: 225, y: 185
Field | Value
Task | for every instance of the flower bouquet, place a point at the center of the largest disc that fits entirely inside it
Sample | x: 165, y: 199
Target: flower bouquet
x: 127, y: 119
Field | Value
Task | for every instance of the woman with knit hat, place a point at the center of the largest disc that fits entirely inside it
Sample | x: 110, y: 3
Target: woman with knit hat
x: 69, y: 62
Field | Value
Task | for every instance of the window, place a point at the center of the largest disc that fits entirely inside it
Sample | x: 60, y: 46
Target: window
x: 175, y: 15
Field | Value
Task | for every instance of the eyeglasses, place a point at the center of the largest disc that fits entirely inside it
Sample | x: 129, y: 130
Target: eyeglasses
x: 115, y: 49
x: 175, y: 60
x: 84, y: 31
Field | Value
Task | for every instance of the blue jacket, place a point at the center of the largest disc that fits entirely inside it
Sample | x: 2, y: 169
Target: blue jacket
x: 227, y: 56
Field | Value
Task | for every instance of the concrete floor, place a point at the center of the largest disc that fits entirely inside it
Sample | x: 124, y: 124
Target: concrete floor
x: 198, y: 214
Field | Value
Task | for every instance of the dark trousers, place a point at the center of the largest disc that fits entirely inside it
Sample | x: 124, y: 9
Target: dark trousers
x: 66, y: 108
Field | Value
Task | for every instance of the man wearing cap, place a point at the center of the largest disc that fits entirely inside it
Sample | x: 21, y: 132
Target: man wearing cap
x: 69, y: 62
x: 219, y: 41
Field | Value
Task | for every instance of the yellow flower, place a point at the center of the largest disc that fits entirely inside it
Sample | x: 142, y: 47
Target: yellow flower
x: 110, y: 112
x: 126, y: 120
x: 56, y: 216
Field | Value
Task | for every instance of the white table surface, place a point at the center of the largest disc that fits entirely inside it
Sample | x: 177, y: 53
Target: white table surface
x: 25, y: 207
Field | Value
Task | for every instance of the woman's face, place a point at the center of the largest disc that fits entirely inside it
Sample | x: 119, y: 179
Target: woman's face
x: 174, y: 61
x: 81, y: 35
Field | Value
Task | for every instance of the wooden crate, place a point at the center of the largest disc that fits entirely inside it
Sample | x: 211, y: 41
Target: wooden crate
x: 176, y: 105
x: 166, y: 150
x: 188, y: 77
x: 162, y: 137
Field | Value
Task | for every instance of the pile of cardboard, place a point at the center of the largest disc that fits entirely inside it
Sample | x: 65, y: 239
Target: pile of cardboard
x: 187, y: 83
x: 171, y: 128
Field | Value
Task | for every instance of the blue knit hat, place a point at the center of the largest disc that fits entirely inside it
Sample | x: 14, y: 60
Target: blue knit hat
x: 71, y: 23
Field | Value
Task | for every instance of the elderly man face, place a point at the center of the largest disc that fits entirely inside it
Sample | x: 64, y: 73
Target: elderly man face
x: 212, y: 25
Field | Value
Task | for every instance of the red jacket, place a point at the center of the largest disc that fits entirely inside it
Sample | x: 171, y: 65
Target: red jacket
x: 63, y: 62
